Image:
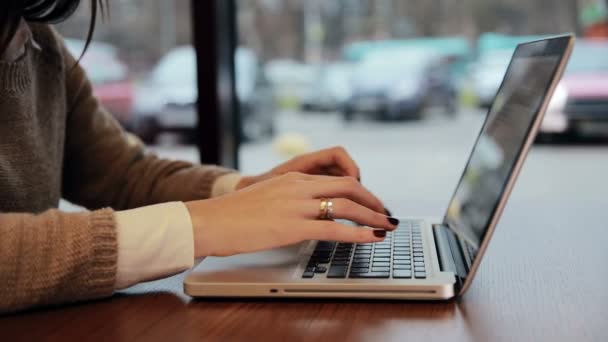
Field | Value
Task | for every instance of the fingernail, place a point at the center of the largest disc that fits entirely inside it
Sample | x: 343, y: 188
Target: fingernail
x: 359, y: 179
x: 380, y: 233
x: 393, y: 221
x: 388, y: 212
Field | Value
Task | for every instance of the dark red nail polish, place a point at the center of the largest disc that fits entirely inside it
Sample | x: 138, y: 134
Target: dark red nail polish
x: 380, y: 233
x: 393, y: 221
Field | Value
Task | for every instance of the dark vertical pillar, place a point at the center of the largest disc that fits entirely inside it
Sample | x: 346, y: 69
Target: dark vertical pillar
x: 214, y: 32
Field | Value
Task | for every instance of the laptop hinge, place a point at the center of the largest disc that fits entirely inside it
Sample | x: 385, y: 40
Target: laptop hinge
x: 450, y: 255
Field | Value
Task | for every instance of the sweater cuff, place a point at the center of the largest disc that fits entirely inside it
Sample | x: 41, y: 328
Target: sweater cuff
x: 204, y: 188
x: 225, y: 184
x: 153, y: 242
x: 102, y: 268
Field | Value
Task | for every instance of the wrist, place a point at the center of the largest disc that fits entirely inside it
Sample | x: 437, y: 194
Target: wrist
x: 245, y: 182
x: 195, y: 217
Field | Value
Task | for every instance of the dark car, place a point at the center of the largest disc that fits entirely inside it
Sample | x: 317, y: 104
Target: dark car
x: 167, y: 103
x: 398, y: 85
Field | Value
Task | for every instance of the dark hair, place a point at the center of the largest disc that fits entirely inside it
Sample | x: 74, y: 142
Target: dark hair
x: 42, y: 11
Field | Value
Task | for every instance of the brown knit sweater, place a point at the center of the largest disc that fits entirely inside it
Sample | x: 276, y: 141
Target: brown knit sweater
x: 57, y: 141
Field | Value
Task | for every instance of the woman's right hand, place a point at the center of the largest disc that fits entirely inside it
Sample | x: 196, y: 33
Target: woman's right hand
x: 283, y: 211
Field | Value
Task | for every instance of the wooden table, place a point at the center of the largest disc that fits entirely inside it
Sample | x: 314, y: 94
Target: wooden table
x: 545, y: 278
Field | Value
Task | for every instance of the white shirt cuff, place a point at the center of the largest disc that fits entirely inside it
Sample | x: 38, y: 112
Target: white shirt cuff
x: 153, y: 242
x: 225, y: 184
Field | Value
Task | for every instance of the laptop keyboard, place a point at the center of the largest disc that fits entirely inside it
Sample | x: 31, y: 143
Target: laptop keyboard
x: 399, y: 256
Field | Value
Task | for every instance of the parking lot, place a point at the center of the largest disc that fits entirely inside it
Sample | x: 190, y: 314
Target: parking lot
x: 414, y: 166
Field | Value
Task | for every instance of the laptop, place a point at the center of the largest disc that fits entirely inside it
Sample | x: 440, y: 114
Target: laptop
x: 423, y: 259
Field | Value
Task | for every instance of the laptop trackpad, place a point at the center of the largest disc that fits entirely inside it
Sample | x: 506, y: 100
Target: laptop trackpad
x: 268, y: 266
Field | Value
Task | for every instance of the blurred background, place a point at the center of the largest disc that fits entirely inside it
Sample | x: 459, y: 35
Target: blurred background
x: 404, y: 85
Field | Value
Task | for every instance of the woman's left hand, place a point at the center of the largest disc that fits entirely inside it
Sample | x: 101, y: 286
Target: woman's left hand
x: 330, y: 162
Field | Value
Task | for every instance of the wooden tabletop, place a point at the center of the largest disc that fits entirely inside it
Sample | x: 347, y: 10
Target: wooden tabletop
x: 545, y: 278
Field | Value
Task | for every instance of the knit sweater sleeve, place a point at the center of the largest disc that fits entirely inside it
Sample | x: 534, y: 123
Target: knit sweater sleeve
x: 56, y: 258
x: 105, y: 166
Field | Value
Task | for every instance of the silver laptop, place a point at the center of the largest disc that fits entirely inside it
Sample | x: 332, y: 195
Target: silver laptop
x: 422, y: 259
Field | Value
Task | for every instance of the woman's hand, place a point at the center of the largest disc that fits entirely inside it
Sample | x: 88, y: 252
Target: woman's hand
x: 330, y: 162
x: 284, y: 211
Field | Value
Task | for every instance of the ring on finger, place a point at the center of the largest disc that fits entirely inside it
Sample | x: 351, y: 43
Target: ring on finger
x: 326, y: 210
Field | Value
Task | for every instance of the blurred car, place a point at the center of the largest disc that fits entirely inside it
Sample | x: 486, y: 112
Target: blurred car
x: 167, y: 102
x: 397, y: 85
x: 291, y: 80
x: 110, y: 78
x: 331, y: 89
x: 488, y: 73
x: 580, y: 105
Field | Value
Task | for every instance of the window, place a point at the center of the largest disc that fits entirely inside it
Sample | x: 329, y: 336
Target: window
x: 405, y: 86
x: 143, y: 69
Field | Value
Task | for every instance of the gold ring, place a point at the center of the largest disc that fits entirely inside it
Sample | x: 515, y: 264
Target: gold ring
x: 326, y: 210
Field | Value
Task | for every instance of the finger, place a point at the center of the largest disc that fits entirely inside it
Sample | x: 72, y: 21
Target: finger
x: 343, y: 187
x: 336, y: 156
x: 331, y: 171
x: 349, y: 210
x: 334, y: 231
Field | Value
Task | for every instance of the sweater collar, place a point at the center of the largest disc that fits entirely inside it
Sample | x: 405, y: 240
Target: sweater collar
x: 20, y: 42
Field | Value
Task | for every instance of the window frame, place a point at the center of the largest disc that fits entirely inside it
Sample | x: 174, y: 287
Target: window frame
x: 214, y: 39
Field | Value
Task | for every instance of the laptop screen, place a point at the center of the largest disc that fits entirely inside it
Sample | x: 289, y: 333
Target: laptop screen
x: 502, y: 139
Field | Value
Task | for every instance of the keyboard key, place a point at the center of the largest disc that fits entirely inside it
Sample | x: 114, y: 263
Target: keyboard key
x: 402, y: 274
x: 376, y: 275
x: 359, y: 270
x: 339, y: 263
x: 402, y: 257
x: 325, y: 246
x: 381, y: 269
x: 308, y: 274
x: 402, y: 267
x: 419, y: 264
x: 341, y: 258
x: 320, y: 269
x: 382, y: 259
x: 337, y: 272
x: 320, y: 255
x: 320, y: 261
x: 360, y: 264
x: 361, y: 260
x: 420, y: 275
x: 381, y: 264
x: 402, y: 262
x: 344, y: 251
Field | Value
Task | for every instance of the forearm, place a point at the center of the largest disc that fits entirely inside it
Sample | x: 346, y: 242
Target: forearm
x: 55, y: 257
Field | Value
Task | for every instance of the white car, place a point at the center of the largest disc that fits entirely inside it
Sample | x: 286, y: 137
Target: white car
x: 167, y: 101
x: 488, y: 74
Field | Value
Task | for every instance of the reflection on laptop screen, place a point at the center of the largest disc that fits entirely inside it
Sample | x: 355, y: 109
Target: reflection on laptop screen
x: 503, y: 136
